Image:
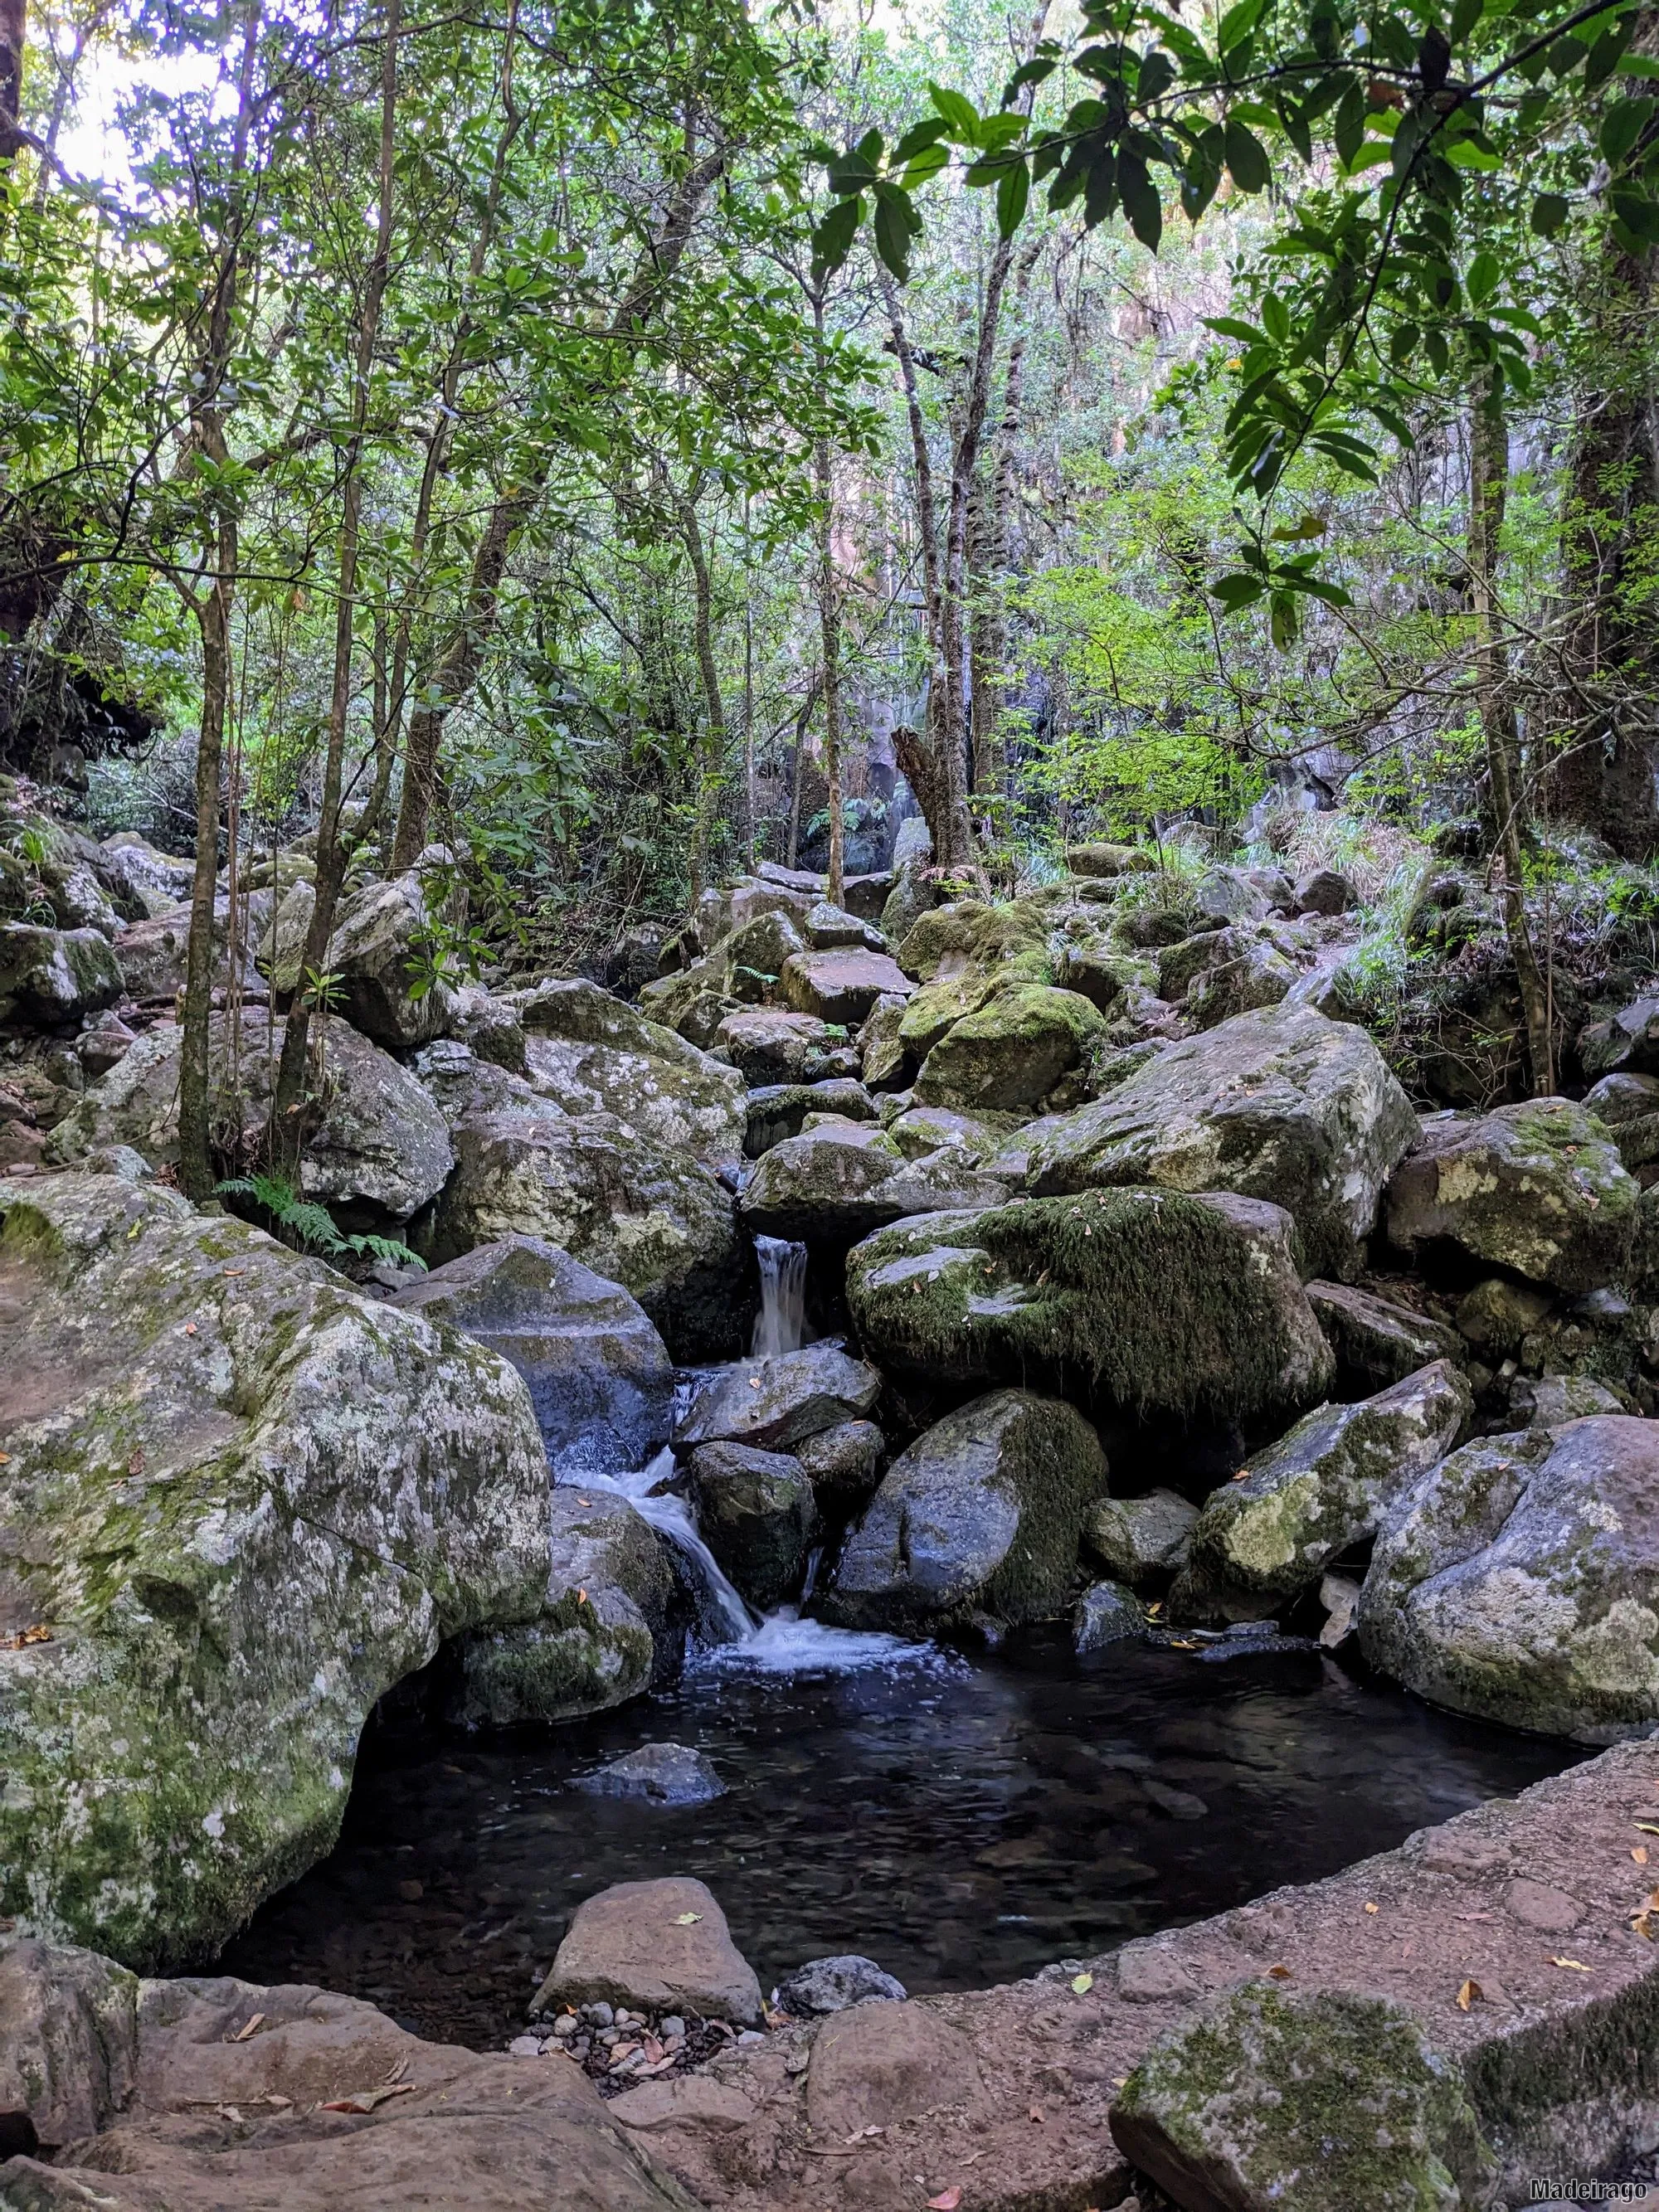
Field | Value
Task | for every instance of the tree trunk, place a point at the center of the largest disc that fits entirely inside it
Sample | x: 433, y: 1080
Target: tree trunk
x: 712, y: 753
x: 830, y: 632
x: 1489, y: 473
x: 13, y: 27
x: 213, y: 613
x: 288, y: 1098
x: 988, y: 547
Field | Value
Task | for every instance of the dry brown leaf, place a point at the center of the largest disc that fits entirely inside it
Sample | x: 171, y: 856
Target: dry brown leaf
x: 1468, y: 1993
x: 243, y: 2033
x: 1370, y: 1907
x: 1279, y: 1973
x: 1572, y: 1965
x: 365, y: 2101
x: 1639, y: 1853
x: 1035, y: 2115
x: 946, y: 2200
x: 36, y: 1633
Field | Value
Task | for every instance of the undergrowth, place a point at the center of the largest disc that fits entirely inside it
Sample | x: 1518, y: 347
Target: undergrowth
x: 303, y: 1222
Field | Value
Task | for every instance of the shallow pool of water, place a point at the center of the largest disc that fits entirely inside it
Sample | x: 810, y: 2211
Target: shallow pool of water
x: 964, y: 1822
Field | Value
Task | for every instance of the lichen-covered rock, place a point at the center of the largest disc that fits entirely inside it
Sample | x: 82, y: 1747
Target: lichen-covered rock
x: 281, y: 949
x: 967, y: 933
x: 764, y: 943
x: 144, y: 879
x: 842, y: 1463
x: 841, y: 1180
x: 1519, y: 1580
x: 1151, y: 1299
x: 1279, y: 2099
x: 776, y: 1403
x: 151, y: 954
x: 49, y: 977
x: 1138, y: 1538
x: 1279, y: 1104
x: 980, y: 1518
x: 841, y: 986
x: 377, y: 1140
x: 1250, y: 967
x: 1375, y: 1340
x: 921, y: 1130
x: 380, y: 955
x: 1106, y: 1614
x: 1537, y: 1187
x: 68, y: 2046
x: 1322, y: 1488
x: 611, y: 1622
x: 594, y: 1054
x: 637, y: 1213
x: 600, y: 1376
x: 1105, y: 860
x: 756, y: 1513
x: 658, y: 1774
x: 769, y: 1044
x: 776, y: 1111
x: 1228, y: 894
x: 1324, y: 891
x: 883, y: 1058
x: 490, y: 1025
x: 242, y: 1502
x: 1012, y: 1052
x: 828, y: 926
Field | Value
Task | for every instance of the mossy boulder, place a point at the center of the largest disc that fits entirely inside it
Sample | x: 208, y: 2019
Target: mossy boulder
x: 1012, y: 1052
x: 1250, y: 967
x: 1322, y: 1488
x: 839, y: 1179
x: 1519, y: 1580
x: 1279, y: 2099
x: 776, y: 1111
x: 378, y: 1145
x: 1377, y: 1340
x: 757, y: 1513
x: 381, y: 949
x: 591, y: 1052
x: 979, y: 1518
x: 769, y: 1044
x: 1106, y: 1614
x: 1137, y: 1540
x: 1538, y: 1186
x: 612, y: 1623
x: 49, y: 977
x: 1152, y: 1300
x: 1279, y: 1104
x: 637, y: 1212
x: 1106, y: 860
x: 239, y: 1502
x: 884, y: 1057
x: 764, y: 944
x: 968, y: 933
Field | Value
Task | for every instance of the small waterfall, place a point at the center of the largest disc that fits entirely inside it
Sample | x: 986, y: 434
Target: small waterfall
x: 724, y: 1609
x: 783, y: 1297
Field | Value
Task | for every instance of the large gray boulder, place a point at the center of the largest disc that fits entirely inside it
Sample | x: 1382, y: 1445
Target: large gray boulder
x: 777, y: 1403
x: 151, y: 955
x: 1152, y: 1300
x: 144, y: 880
x: 1138, y: 1538
x: 600, y: 1376
x: 49, y: 977
x: 1019, y: 1048
x: 637, y: 1212
x: 1319, y: 1490
x: 979, y: 1518
x: 1376, y: 1339
x: 1538, y: 1186
x: 1275, y: 2099
x: 611, y: 1622
x: 1519, y: 1580
x: 591, y: 1052
x: 757, y: 1513
x: 841, y: 986
x: 769, y: 1044
x: 377, y: 1143
x: 384, y: 959
x: 841, y: 1179
x: 1280, y: 1103
x: 661, y: 1946
x: 239, y: 1502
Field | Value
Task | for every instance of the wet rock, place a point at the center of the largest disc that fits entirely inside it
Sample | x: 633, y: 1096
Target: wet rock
x: 873, y: 2065
x: 661, y: 1946
x: 841, y: 1180
x: 1106, y: 1614
x: 1341, y: 1598
x: 1137, y: 1539
x: 841, y: 986
x: 1375, y: 1340
x: 378, y: 954
x: 1498, y: 1314
x: 1326, y: 1485
x: 1538, y: 1186
x: 637, y: 1213
x: 776, y: 1403
x: 757, y: 1513
x: 1324, y: 891
x: 593, y: 1053
x: 1278, y: 1104
x: 843, y: 1464
x: 1012, y: 1052
x: 600, y: 1376
x: 245, y: 1502
x: 611, y: 1622
x: 980, y: 1516
x: 48, y: 978
x: 825, y: 1985
x: 1519, y: 1580
x: 1149, y: 1299
x: 659, y: 1774
x: 1283, y: 2100
x: 378, y: 1143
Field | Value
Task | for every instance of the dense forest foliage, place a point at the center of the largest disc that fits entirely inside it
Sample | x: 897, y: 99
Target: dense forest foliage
x: 625, y: 443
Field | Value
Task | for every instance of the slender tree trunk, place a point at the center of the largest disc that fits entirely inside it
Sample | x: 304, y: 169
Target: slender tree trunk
x: 830, y: 633
x: 1489, y: 472
x: 712, y: 753
x: 13, y: 29
x: 333, y: 852
x: 213, y: 613
x: 988, y: 546
x: 919, y: 756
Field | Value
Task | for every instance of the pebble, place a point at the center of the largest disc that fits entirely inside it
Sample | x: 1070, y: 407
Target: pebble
x: 600, y: 2014
x: 751, y: 2035
x: 525, y: 2046
x: 565, y: 2024
x: 672, y: 2026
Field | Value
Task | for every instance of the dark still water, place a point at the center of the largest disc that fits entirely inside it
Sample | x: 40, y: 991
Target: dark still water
x: 961, y: 1822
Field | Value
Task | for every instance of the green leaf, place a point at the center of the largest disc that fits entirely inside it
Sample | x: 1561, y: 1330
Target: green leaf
x: 1140, y: 200
x: 927, y: 163
x: 1031, y: 72
x: 1229, y: 326
x: 960, y: 116
x: 1622, y: 125
x: 1012, y: 193
x: 1485, y: 273
x: 1638, y: 214
x: 1285, y: 620
x: 1236, y: 25
x: 893, y: 236
x: 927, y: 132
x: 1238, y: 591
x: 1605, y: 54
x: 1247, y: 160
x: 1549, y: 212
x: 1309, y: 525
x: 852, y: 173
x: 832, y: 241
x: 1464, y: 17
x: 1350, y: 126
x: 1276, y: 319
x: 1158, y: 73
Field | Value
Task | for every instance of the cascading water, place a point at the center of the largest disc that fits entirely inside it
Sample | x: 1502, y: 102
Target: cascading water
x: 723, y: 1608
x: 783, y: 1297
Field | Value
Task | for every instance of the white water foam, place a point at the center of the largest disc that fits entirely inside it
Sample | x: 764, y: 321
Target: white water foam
x: 782, y: 1316
x: 785, y: 1644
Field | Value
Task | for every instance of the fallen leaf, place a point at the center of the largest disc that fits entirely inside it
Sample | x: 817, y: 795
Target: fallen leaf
x: 1183, y: 1644
x: 1243, y: 1474
x: 1035, y: 2116
x: 682, y: 1919
x: 1468, y: 1993
x: 1279, y: 1973
x: 243, y: 2033
x: 1120, y: 2081
x: 1647, y: 1828
x: 1083, y: 1983
x: 190, y: 1328
x: 584, y: 1501
x: 397, y: 2072
x: 1572, y: 1965
x: 581, y: 1597
x: 279, y: 2104
x: 235, y: 1271
x: 1373, y: 1908
x: 36, y: 1633
x: 365, y: 2101
x: 1639, y: 1853
x: 946, y: 2200
x: 5, y: 1458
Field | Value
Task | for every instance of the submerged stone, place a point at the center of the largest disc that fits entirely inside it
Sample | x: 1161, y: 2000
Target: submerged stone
x: 658, y: 1774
